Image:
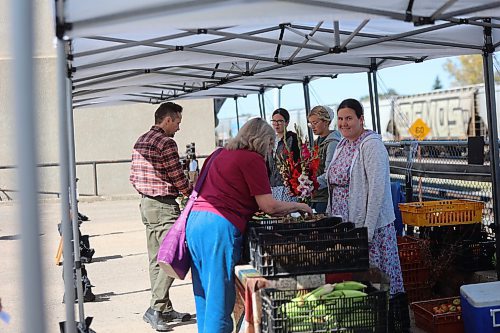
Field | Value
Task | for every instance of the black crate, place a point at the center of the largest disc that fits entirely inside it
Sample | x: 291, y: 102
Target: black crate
x: 474, y: 256
x: 281, y: 251
x: 361, y: 314
x: 399, y: 314
x: 278, y: 223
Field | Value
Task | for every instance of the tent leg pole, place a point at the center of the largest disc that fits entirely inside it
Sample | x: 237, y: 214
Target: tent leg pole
x: 261, y: 94
x: 237, y: 113
x: 260, y: 106
x: 375, y: 93
x: 69, y: 291
x: 372, y: 107
x: 489, y: 82
x: 27, y: 179
x: 70, y: 131
x: 307, y: 103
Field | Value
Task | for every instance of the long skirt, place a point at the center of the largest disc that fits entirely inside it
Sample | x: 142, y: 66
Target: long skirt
x: 384, y: 255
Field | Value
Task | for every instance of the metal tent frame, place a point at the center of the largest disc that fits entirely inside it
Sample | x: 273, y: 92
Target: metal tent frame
x: 153, y: 51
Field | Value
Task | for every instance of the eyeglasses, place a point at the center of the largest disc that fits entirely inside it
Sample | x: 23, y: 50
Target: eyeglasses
x: 315, y: 123
x: 278, y: 122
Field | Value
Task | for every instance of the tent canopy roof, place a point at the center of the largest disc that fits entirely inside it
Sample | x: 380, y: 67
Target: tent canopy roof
x: 125, y: 51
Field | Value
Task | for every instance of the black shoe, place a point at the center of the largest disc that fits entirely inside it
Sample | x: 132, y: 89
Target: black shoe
x: 176, y: 316
x: 156, y: 320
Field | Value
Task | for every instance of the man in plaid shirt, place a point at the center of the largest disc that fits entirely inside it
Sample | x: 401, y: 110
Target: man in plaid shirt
x: 156, y: 173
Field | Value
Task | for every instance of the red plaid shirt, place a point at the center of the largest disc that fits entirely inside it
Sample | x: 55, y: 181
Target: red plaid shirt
x: 156, y: 169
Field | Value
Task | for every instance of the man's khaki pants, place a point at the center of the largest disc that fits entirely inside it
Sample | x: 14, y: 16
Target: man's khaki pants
x: 158, y: 217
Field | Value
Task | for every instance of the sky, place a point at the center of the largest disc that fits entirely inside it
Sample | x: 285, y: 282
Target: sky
x: 405, y: 80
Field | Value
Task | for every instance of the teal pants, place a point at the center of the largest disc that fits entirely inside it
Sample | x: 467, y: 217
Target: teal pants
x: 158, y: 217
x: 215, y: 247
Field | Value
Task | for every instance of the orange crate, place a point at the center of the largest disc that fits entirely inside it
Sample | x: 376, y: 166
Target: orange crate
x: 425, y: 318
x: 441, y: 213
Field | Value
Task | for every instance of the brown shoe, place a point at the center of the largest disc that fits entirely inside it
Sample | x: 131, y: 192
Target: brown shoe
x: 176, y: 316
x: 156, y: 320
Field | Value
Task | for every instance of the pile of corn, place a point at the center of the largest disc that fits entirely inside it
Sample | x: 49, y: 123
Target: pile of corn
x: 332, y: 306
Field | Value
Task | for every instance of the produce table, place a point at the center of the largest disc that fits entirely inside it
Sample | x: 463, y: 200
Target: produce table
x: 248, y: 308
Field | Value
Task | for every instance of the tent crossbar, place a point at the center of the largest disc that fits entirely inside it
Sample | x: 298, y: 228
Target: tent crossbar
x: 228, y: 54
x: 171, y: 48
x: 336, y: 33
x: 98, y: 76
x: 377, y: 65
x: 408, y: 40
x: 166, y: 49
x: 81, y: 100
x: 252, y: 69
x: 124, y: 76
x: 94, y: 91
x: 353, y: 34
x: 262, y: 39
x: 282, y: 79
x: 241, y: 70
x: 441, y: 9
x: 164, y: 86
x: 232, y: 66
x: 411, y: 33
x: 214, y: 71
x: 350, y: 8
x: 308, y: 37
x: 128, y: 44
x: 278, y: 47
x: 195, y: 76
x: 319, y: 62
x: 472, y: 21
x: 463, y: 11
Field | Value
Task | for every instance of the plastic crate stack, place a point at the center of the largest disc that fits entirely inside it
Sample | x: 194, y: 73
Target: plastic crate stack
x: 415, y: 266
x: 324, y: 246
x: 453, y: 228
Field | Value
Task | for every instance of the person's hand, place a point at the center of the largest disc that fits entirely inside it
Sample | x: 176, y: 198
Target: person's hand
x: 304, y: 208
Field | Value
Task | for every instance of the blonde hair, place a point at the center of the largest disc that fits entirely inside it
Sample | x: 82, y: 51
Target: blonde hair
x: 256, y: 135
x: 322, y: 112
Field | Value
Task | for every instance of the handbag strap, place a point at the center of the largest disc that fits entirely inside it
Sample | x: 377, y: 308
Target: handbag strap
x: 204, y: 172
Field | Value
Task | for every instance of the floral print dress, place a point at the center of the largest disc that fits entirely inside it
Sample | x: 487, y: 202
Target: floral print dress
x: 383, y: 247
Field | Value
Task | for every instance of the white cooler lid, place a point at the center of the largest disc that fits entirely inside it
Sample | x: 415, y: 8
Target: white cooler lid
x: 482, y: 294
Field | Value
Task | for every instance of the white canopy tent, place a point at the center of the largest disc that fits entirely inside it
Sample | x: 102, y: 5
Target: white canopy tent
x: 120, y: 51
x: 153, y: 66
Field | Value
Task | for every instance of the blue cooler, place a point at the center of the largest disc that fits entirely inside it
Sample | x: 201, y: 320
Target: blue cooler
x: 481, y: 307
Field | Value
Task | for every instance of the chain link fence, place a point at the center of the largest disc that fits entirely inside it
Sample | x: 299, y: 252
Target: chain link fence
x: 442, y: 170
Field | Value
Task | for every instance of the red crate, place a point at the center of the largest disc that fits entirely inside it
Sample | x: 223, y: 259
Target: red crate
x: 437, y: 323
x: 411, y: 250
x: 415, y: 273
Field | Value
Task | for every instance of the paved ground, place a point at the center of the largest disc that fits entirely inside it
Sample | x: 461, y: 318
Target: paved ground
x: 118, y: 271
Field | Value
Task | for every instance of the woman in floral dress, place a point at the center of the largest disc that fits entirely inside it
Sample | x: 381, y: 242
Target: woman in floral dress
x: 360, y: 191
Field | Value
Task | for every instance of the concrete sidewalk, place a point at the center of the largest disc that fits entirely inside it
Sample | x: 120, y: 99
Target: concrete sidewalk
x: 118, y: 271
